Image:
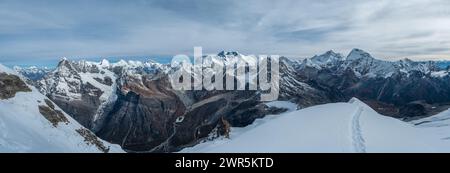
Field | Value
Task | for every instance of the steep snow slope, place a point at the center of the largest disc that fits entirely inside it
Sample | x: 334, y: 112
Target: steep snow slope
x: 438, y: 124
x: 29, y: 122
x: 337, y: 127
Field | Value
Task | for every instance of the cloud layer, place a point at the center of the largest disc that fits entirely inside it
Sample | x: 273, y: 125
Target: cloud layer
x: 389, y: 29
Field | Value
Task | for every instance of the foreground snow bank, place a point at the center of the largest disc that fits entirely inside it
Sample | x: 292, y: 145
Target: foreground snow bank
x: 337, y: 127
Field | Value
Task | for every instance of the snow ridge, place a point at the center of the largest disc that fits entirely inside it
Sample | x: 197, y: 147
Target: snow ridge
x: 358, y: 141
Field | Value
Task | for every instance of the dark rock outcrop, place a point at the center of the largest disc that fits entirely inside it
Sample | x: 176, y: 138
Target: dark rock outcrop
x: 10, y: 85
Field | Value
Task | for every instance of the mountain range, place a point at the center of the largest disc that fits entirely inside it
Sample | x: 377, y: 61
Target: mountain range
x: 132, y: 104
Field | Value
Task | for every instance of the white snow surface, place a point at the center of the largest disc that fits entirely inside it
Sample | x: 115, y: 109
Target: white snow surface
x: 283, y: 104
x: 337, y: 128
x: 438, y: 124
x: 24, y: 129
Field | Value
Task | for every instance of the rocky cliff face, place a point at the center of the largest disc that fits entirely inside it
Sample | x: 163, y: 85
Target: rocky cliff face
x: 10, y: 85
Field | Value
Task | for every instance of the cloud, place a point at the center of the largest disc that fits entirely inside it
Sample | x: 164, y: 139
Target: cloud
x: 389, y: 29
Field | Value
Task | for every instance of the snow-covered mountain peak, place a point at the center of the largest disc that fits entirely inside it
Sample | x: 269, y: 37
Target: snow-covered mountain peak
x: 331, y: 53
x: 357, y: 54
x: 407, y: 60
x: 65, y: 67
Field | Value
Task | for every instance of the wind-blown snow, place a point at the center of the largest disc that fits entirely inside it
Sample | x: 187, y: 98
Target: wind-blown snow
x: 336, y: 127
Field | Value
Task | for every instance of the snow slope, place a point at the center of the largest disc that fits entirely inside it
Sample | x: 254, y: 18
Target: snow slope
x: 438, y: 124
x: 23, y: 128
x: 337, y: 127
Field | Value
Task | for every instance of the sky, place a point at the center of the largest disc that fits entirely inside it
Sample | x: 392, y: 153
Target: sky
x: 46, y: 30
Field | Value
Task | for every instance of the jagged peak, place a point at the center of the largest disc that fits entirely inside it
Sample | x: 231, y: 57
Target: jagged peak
x: 330, y: 52
x: 65, y: 65
x: 104, y: 63
x: 63, y: 61
x: 407, y: 60
x: 122, y: 61
x: 152, y: 61
x: 327, y: 56
x: 356, y: 54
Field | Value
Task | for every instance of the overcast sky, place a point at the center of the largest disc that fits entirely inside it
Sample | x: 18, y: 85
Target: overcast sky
x: 389, y: 29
